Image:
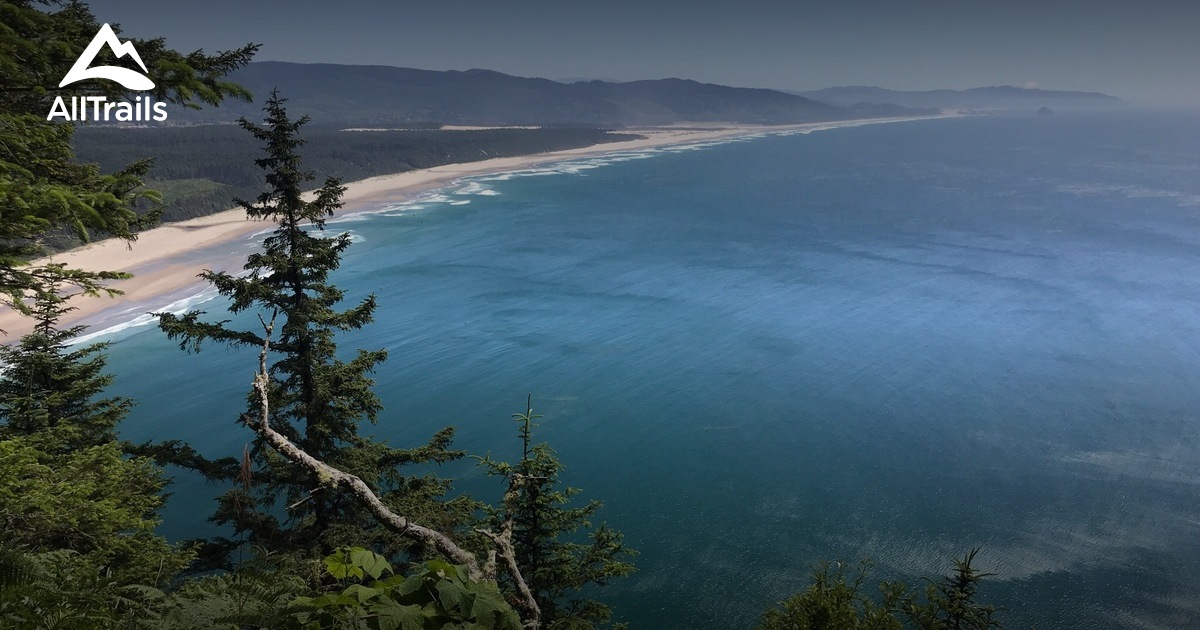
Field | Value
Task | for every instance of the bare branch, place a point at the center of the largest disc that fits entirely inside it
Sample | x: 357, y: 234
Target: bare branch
x: 308, y: 497
x: 330, y: 476
x: 504, y: 545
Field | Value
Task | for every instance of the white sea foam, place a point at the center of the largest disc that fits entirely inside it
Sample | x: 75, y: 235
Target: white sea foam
x: 354, y: 217
x: 467, y: 186
x: 145, y: 318
x: 578, y: 166
x: 475, y: 187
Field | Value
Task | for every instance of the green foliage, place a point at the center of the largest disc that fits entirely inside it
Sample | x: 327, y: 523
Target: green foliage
x: 76, y: 514
x: 257, y: 595
x: 50, y: 393
x: 836, y: 600
x: 44, y: 190
x: 63, y: 590
x: 950, y: 603
x: 92, y: 501
x: 16, y: 570
x: 68, y: 485
x: 318, y: 401
x: 199, y: 169
x: 436, y: 595
x: 555, y: 564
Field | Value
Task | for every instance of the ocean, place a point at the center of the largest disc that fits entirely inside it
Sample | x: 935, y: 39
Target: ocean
x: 895, y: 341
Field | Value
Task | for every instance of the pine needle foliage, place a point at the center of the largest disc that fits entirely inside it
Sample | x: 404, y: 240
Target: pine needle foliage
x: 560, y: 552
x: 51, y: 392
x: 318, y: 400
x: 45, y: 193
x: 71, y: 498
x: 837, y: 598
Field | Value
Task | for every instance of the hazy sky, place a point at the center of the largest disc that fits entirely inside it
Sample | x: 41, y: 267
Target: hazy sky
x: 1147, y: 51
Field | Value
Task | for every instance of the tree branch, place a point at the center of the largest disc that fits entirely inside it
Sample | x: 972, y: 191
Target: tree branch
x: 504, y: 545
x: 331, y: 477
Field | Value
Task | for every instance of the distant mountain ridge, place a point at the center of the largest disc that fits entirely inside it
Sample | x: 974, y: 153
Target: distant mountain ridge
x: 996, y: 97
x: 383, y: 95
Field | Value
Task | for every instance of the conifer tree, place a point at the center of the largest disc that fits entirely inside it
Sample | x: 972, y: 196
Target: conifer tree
x: 837, y: 597
x: 69, y: 492
x: 318, y: 401
x: 45, y: 193
x: 71, y: 498
x: 555, y: 565
x: 50, y: 391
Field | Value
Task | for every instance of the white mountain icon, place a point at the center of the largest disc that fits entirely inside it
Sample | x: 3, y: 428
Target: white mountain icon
x: 126, y: 77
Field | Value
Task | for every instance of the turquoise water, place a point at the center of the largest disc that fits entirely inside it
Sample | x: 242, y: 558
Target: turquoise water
x: 894, y: 341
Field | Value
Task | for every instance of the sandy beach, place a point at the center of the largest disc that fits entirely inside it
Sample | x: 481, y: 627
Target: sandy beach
x: 165, y: 260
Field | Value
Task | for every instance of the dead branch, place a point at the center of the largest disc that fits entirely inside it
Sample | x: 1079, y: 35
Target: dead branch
x: 332, y: 477
x: 504, y: 545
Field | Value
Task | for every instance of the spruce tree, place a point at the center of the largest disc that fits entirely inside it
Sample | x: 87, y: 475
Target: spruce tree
x: 50, y: 391
x: 71, y: 498
x: 70, y: 495
x: 46, y: 195
x: 837, y: 597
x: 556, y: 565
x: 318, y: 401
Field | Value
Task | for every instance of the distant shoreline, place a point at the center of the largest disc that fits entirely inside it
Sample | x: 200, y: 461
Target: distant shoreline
x: 166, y: 260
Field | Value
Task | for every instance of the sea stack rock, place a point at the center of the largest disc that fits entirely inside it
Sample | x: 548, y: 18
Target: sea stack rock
x: 1045, y: 111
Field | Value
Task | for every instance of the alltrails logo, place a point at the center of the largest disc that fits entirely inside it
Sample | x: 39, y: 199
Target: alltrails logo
x: 98, y: 106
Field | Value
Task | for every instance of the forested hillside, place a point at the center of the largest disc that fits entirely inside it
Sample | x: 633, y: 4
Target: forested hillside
x: 201, y: 169
x: 1001, y: 97
x: 385, y: 95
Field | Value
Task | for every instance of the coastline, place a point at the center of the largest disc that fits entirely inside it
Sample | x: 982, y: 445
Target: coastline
x: 166, y: 260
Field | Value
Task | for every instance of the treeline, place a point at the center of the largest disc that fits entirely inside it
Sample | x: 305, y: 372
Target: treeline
x: 199, y: 169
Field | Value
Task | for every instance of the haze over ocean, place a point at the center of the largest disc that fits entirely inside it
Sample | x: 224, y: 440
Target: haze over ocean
x: 894, y: 341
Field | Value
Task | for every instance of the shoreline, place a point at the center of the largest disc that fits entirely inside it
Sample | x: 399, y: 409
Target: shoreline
x: 166, y: 260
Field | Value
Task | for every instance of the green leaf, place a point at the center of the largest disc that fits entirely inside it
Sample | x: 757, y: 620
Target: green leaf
x: 455, y: 600
x: 440, y: 568
x: 341, y: 567
x: 362, y: 593
x: 410, y: 586
x: 370, y: 562
x: 391, y: 615
x: 487, y: 610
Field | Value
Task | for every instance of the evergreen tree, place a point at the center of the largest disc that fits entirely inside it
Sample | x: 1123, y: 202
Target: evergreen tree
x: 70, y: 496
x: 317, y: 400
x: 952, y: 602
x: 556, y: 566
x: 44, y: 191
x: 836, y: 599
x: 49, y: 392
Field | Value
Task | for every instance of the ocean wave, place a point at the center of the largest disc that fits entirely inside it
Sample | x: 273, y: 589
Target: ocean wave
x: 577, y: 166
x: 476, y: 185
x: 145, y: 318
x: 354, y: 217
x: 473, y: 187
